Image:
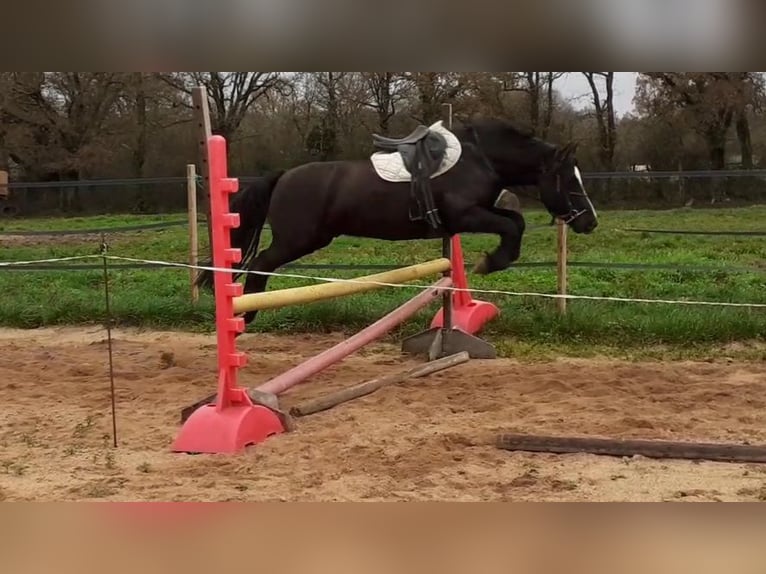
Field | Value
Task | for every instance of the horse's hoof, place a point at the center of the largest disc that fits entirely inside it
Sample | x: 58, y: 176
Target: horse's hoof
x: 482, y: 267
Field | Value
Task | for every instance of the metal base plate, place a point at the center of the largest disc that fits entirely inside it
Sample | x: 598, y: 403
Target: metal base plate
x: 439, y: 343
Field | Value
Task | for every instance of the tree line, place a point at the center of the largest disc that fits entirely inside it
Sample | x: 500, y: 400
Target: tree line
x: 59, y: 126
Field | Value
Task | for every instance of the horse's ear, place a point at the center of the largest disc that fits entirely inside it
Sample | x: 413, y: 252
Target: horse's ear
x: 556, y: 157
x: 562, y: 155
x: 567, y: 152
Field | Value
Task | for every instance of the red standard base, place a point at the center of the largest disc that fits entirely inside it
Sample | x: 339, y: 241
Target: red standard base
x: 227, y: 431
x: 468, y: 314
x: 469, y: 318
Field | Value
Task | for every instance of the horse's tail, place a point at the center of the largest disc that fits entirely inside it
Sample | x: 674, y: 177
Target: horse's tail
x: 252, y: 204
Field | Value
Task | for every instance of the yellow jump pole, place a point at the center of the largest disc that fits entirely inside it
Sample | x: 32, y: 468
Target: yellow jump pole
x: 314, y: 293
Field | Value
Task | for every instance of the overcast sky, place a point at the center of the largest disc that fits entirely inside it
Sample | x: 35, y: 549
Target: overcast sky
x: 575, y: 86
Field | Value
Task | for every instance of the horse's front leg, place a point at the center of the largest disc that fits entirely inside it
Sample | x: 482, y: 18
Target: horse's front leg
x: 509, y: 227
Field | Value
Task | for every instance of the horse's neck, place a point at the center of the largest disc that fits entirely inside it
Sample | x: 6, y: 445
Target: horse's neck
x: 524, y: 167
x: 520, y: 169
x: 524, y: 177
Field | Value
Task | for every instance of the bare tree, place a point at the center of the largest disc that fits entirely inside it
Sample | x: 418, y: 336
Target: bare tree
x: 138, y: 85
x: 384, y: 92
x: 6, y: 86
x: 433, y: 90
x: 145, y: 108
x: 232, y: 94
x: 710, y: 103
x: 302, y: 106
x: 61, y: 117
x: 329, y: 88
x: 750, y: 98
x: 713, y: 101
x: 602, y: 91
x: 60, y: 123
x: 539, y: 88
x: 549, y: 82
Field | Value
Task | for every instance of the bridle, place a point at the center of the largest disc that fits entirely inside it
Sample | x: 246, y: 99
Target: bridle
x: 573, y: 213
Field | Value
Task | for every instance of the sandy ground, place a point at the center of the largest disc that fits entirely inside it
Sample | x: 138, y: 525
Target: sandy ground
x: 425, y: 440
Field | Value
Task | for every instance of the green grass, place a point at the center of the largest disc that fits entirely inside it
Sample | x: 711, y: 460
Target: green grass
x: 528, y: 326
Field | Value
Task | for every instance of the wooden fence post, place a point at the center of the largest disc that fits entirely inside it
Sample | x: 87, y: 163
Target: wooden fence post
x: 4, y: 192
x: 191, y: 189
x: 204, y: 132
x: 562, y: 267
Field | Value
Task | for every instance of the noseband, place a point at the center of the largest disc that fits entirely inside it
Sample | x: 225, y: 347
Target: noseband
x: 573, y: 213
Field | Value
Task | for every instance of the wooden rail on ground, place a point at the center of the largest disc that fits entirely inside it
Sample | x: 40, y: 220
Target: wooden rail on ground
x: 629, y: 448
x: 332, y: 400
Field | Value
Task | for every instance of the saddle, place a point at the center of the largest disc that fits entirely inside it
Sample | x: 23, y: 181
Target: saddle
x: 422, y: 152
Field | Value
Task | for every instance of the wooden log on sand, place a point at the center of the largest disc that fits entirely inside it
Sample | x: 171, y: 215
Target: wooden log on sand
x: 628, y: 448
x: 340, y: 397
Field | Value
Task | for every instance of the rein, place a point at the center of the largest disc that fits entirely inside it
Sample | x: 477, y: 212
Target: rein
x: 570, y: 216
x: 573, y: 213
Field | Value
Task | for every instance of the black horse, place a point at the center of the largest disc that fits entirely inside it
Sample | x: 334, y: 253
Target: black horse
x: 311, y: 205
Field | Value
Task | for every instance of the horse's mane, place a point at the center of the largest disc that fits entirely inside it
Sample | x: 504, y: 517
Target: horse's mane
x: 524, y: 137
x: 495, y: 122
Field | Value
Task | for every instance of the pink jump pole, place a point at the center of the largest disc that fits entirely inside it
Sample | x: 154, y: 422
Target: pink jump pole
x: 468, y: 314
x: 315, y: 365
x: 233, y: 422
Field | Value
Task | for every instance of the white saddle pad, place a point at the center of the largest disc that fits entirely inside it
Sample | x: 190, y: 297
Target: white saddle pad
x: 390, y: 166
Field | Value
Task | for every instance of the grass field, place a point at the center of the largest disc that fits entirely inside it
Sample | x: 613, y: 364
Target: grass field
x: 734, y: 271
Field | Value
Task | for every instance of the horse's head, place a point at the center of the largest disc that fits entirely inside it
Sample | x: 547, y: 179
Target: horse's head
x: 562, y: 191
x: 520, y: 159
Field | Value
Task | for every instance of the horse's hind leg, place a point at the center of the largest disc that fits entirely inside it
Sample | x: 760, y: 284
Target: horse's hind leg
x: 269, y: 260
